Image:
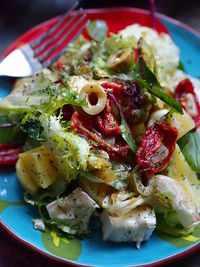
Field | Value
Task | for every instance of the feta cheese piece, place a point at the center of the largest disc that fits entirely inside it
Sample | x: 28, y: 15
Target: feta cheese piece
x: 136, y: 226
x: 73, y: 211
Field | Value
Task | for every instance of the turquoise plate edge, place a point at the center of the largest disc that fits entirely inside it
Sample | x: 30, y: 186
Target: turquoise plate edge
x: 95, y: 252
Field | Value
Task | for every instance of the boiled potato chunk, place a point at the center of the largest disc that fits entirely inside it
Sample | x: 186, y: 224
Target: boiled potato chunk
x: 183, y: 123
x: 41, y: 166
x: 179, y: 169
x: 25, y: 179
x: 20, y: 82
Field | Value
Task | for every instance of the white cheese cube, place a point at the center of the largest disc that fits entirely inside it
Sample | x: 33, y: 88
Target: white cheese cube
x: 135, y: 226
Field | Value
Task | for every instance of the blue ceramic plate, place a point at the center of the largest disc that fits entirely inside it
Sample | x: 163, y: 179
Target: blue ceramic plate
x: 16, y: 216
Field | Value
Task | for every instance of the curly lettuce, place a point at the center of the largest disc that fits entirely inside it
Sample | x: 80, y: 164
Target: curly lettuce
x: 41, y: 94
x: 70, y: 150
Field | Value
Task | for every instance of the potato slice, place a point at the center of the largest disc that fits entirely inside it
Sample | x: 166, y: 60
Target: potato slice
x: 179, y: 169
x: 24, y: 177
x: 183, y: 123
x: 41, y: 165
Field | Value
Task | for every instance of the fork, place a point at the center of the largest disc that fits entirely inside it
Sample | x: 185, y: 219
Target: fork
x: 42, y: 52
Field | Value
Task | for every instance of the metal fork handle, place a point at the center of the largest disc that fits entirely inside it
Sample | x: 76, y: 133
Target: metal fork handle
x: 25, y: 61
x: 20, y: 63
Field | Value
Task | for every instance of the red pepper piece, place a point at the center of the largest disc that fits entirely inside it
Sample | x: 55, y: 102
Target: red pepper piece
x: 60, y: 66
x: 9, y: 153
x: 157, y: 145
x: 116, y: 87
x: 115, y: 152
x: 106, y: 122
x: 186, y: 87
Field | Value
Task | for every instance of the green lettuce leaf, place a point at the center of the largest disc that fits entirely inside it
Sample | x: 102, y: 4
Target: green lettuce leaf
x: 190, y: 147
x: 111, y: 45
x: 41, y: 95
x: 33, y: 129
x: 97, y: 29
x: 9, y: 131
x: 163, y: 225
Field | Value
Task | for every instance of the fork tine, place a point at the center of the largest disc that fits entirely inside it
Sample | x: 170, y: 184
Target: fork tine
x: 48, y: 52
x: 57, y: 55
x: 45, y: 45
x: 54, y: 27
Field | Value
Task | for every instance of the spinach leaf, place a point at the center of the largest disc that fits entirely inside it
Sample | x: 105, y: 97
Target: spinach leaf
x: 33, y: 129
x: 126, y: 134
x: 97, y: 29
x: 9, y: 131
x: 180, y: 66
x: 146, y: 78
x: 190, y: 147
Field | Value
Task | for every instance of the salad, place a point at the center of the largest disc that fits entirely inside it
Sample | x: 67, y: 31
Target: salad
x: 108, y: 135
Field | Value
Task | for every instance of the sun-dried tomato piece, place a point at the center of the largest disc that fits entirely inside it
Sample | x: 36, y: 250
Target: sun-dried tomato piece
x: 187, y: 97
x: 79, y: 126
x: 9, y: 153
x: 115, y: 86
x: 157, y: 145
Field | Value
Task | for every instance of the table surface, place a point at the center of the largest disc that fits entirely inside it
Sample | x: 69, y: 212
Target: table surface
x: 16, y: 17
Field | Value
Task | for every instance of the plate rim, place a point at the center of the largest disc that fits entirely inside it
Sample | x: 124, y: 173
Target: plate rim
x: 55, y: 258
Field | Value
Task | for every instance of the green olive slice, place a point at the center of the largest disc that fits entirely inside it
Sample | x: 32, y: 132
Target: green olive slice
x: 121, y: 61
x: 95, y: 97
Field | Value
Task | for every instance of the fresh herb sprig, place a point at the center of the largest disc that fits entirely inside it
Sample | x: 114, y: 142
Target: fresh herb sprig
x: 147, y: 79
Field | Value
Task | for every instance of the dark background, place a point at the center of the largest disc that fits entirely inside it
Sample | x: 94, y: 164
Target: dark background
x: 17, y: 16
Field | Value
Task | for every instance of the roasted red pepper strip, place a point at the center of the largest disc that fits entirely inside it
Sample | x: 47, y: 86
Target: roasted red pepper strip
x: 9, y: 153
x: 114, y: 152
x: 183, y: 89
x: 106, y: 122
x: 157, y: 145
x: 116, y: 87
